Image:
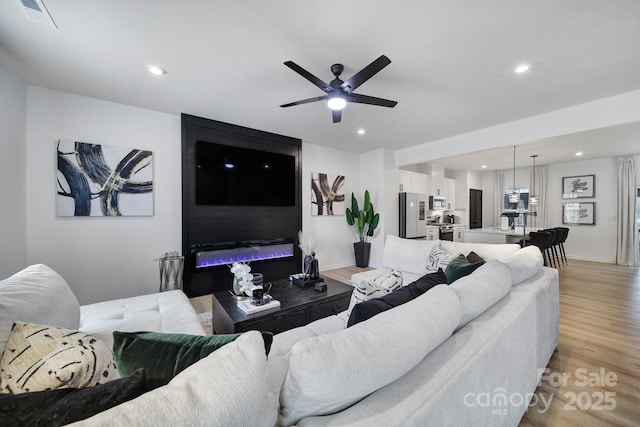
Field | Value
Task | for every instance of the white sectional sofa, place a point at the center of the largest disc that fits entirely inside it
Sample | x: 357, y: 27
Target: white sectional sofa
x: 39, y: 295
x: 468, y: 353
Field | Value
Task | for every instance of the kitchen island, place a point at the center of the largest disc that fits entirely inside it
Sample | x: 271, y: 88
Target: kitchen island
x: 496, y: 235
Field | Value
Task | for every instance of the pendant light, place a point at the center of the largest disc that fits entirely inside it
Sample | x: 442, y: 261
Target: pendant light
x: 514, y: 196
x: 533, y: 199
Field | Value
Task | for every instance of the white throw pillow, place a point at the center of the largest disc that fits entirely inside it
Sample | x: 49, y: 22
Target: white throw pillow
x: 438, y: 258
x: 331, y: 372
x: 524, y: 264
x: 227, y: 388
x: 376, y: 288
x: 481, y: 289
x: 37, y: 295
x: 40, y: 357
x: 407, y: 254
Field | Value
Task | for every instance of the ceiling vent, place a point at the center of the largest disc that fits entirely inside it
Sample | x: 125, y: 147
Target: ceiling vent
x: 36, y: 11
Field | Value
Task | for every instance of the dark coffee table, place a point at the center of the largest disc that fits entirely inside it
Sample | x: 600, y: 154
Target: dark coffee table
x: 298, y: 307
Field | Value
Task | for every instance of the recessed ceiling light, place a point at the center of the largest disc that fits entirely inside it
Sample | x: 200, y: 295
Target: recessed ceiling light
x: 522, y: 68
x: 154, y: 69
x: 579, y: 153
x: 361, y: 132
x: 484, y: 166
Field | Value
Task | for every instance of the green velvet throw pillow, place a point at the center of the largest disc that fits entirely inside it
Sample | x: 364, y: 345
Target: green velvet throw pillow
x: 163, y: 355
x: 457, y: 268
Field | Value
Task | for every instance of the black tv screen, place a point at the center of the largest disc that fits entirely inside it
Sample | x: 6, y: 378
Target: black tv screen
x: 235, y: 176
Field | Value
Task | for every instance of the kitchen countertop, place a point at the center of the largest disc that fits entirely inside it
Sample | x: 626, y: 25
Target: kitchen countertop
x: 497, y: 230
x: 495, y: 235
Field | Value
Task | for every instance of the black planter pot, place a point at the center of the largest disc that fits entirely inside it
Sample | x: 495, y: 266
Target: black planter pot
x: 362, y: 250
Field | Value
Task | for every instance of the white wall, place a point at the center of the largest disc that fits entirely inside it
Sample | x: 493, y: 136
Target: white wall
x: 13, y: 208
x: 590, y: 242
x: 101, y: 258
x: 333, y: 235
x: 373, y: 174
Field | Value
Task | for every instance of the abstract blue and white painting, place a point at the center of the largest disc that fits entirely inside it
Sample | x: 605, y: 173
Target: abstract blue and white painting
x: 103, y: 180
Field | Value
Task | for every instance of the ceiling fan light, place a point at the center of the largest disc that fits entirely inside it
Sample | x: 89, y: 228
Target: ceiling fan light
x: 336, y: 103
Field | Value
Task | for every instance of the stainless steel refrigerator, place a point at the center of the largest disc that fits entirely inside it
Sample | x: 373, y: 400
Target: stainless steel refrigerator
x: 413, y: 215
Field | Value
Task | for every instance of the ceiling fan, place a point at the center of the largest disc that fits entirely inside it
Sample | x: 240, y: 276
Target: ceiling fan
x: 339, y: 92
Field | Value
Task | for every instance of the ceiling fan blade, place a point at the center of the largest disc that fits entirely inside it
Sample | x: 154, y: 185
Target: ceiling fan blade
x: 307, y: 75
x: 365, y: 74
x: 305, y: 101
x: 371, y: 100
x: 337, y: 115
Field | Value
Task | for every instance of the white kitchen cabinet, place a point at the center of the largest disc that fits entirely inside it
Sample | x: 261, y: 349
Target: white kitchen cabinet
x: 414, y: 182
x: 450, y: 193
x: 458, y: 233
x: 437, y: 180
x: 433, y: 232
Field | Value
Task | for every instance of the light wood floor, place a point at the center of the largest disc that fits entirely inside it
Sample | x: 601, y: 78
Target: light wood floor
x: 599, y: 340
x: 599, y: 332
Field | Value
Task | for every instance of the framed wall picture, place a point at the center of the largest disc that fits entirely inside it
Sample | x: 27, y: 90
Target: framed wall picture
x: 103, y: 180
x: 578, y: 187
x: 579, y: 213
x: 327, y: 194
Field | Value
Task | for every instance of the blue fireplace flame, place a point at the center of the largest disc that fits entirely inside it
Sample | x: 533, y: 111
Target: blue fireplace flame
x: 216, y: 257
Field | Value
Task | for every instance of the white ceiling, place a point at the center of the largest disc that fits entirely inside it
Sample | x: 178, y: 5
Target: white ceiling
x: 451, y: 71
x: 595, y: 144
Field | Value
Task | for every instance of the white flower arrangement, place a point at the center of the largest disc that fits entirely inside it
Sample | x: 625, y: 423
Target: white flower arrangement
x: 307, y: 243
x: 243, y: 279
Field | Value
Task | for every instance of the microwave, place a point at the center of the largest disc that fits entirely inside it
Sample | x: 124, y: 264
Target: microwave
x: 437, y: 203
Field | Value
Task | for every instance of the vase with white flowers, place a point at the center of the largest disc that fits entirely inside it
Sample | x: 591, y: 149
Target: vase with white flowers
x: 242, y: 279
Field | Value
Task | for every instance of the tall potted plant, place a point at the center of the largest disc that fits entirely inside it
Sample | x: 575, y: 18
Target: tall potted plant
x: 365, y: 222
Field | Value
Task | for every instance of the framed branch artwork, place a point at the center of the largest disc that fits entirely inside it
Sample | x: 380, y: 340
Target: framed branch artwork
x: 327, y: 194
x: 579, y: 213
x: 579, y: 187
x: 102, y: 180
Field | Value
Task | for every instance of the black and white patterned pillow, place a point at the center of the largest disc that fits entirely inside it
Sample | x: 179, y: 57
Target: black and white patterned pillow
x: 38, y: 358
x: 378, y: 287
x: 438, y: 258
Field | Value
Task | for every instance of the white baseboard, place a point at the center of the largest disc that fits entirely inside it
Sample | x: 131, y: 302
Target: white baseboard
x: 334, y: 266
x: 605, y: 261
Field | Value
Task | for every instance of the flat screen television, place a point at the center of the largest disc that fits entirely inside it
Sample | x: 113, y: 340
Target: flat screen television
x: 234, y: 176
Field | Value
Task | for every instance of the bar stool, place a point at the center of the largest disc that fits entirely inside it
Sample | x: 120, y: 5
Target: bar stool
x: 556, y: 236
x: 565, y: 234
x: 542, y: 239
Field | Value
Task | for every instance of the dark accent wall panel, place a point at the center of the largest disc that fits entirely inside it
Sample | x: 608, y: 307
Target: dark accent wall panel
x: 203, y: 224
